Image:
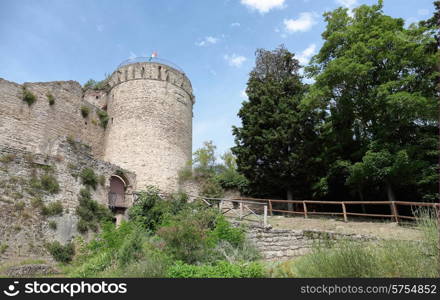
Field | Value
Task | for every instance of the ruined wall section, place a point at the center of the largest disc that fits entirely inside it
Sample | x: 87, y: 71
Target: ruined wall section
x: 150, y: 130
x: 23, y: 228
x: 38, y: 127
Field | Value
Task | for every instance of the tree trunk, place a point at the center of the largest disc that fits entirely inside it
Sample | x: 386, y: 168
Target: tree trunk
x: 390, y: 192
x: 289, y: 197
x: 361, y: 196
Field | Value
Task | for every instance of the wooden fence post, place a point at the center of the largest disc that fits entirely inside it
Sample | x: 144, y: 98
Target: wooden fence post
x: 265, y: 216
x: 394, y: 212
x: 344, y: 211
x: 270, y: 207
x: 241, y: 210
x: 305, y: 209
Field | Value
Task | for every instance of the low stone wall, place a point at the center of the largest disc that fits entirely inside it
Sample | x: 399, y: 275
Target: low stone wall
x: 283, y: 244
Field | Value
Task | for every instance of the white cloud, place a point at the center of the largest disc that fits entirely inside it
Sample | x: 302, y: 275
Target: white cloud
x: 263, y: 6
x: 347, y: 3
x: 235, y: 24
x: 235, y: 60
x: 423, y: 12
x: 304, y: 23
x: 305, y: 56
x: 209, y: 40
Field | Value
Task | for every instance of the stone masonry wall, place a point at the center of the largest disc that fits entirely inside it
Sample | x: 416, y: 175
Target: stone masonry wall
x: 150, y: 130
x: 283, y: 244
x: 38, y: 127
x: 23, y: 228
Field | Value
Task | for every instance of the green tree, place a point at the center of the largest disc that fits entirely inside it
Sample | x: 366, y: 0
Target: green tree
x: 277, y: 145
x: 375, y: 80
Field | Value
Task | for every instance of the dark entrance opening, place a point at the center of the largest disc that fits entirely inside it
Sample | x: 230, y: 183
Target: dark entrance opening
x: 117, y: 192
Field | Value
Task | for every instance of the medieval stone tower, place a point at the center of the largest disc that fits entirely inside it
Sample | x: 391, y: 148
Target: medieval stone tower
x: 150, y: 127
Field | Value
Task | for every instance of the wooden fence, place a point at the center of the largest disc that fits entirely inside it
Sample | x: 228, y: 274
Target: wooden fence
x: 394, y: 205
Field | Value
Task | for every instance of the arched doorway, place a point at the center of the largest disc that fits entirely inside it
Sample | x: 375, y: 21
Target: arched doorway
x: 117, y: 192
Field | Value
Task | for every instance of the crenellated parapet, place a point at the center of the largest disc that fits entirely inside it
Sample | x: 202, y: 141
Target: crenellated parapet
x: 151, y: 71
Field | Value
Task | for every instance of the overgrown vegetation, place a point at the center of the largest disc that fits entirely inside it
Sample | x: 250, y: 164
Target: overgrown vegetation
x: 52, y: 209
x: 46, y: 182
x: 96, y: 85
x: 90, y: 212
x: 50, y: 99
x: 89, y: 177
x: 167, y: 237
x: 387, y: 258
x: 61, y: 253
x: 85, y: 111
x: 28, y: 96
x: 213, y: 177
x: 103, y: 118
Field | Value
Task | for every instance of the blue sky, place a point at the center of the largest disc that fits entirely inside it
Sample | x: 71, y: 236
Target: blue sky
x: 213, y: 41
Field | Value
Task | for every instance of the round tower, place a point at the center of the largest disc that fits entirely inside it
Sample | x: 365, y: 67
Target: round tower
x: 150, y: 127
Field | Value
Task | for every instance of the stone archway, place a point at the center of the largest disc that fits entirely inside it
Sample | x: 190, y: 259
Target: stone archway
x: 116, y: 198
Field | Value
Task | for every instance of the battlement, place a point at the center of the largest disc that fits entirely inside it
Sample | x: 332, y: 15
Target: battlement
x: 151, y: 71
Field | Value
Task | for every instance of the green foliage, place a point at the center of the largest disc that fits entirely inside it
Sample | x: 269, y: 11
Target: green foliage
x: 103, y: 118
x: 90, y: 212
x: 52, y: 209
x: 19, y: 206
x: 49, y: 183
x: 7, y: 158
x: 53, y: 225
x: 50, y: 98
x: 221, y: 269
x: 28, y: 97
x: 85, y: 111
x: 211, y: 188
x: 60, y: 253
x: 277, y: 142
x: 204, y: 160
x: 224, y: 231
x: 149, y: 209
x: 89, y: 177
x: 96, y: 85
x: 3, y: 248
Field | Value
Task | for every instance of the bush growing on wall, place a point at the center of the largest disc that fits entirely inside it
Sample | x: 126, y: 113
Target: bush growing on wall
x: 61, y: 253
x: 52, y: 209
x: 103, y: 118
x: 85, y: 111
x: 90, y: 212
x: 89, y: 177
x: 28, y: 97
x: 51, y: 99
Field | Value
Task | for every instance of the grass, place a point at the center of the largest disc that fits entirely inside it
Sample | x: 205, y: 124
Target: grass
x: 386, y: 258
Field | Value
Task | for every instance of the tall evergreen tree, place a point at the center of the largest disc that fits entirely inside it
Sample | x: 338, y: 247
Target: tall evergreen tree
x: 277, y: 146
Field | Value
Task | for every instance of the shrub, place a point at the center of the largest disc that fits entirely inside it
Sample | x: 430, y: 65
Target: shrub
x: 53, y: 225
x: 90, y: 212
x: 221, y: 269
x: 149, y: 209
x: 61, y: 253
x: 19, y: 206
x: 224, y: 231
x: 103, y: 118
x: 231, y: 179
x: 85, y: 110
x: 51, y: 99
x: 89, y: 177
x: 28, y: 97
x: 211, y: 188
x: 3, y: 248
x: 89, y: 84
x: 7, y: 158
x: 52, y: 209
x: 49, y: 183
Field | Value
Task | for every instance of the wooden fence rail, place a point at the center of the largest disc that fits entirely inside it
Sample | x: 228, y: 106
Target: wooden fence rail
x: 344, y: 212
